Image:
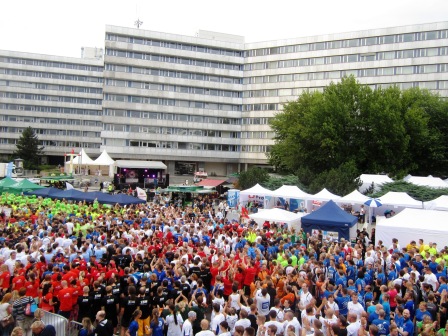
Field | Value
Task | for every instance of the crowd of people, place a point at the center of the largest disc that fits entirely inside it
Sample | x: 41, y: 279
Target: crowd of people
x: 167, y: 269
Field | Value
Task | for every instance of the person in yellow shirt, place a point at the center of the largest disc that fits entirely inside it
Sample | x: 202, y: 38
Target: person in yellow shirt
x: 411, y: 246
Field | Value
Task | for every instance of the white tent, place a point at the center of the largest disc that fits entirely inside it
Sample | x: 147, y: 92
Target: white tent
x: 105, y: 160
x: 413, y: 224
x: 257, y: 190
x: 258, y: 194
x: 355, y: 197
x: 377, y: 180
x: 400, y: 199
x: 324, y: 195
x: 440, y: 203
x: 287, y: 191
x: 83, y: 159
x: 278, y: 216
x: 427, y: 181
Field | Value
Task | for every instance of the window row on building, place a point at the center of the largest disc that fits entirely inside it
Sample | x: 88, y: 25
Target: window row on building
x: 51, y: 64
x: 350, y: 43
x: 51, y: 75
x: 170, y: 131
x: 174, y: 74
x: 255, y: 121
x: 171, y: 102
x: 173, y: 59
x: 174, y: 45
x: 43, y: 86
x: 50, y: 109
x: 171, y: 117
x: 41, y: 97
x: 54, y: 143
x: 173, y: 88
x: 185, y: 145
x: 54, y: 121
x: 352, y: 58
x: 257, y: 135
x: 369, y: 72
x: 57, y: 132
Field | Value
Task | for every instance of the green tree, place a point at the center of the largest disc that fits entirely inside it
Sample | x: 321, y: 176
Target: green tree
x: 275, y: 182
x: 251, y: 177
x: 28, y: 149
x: 350, y: 128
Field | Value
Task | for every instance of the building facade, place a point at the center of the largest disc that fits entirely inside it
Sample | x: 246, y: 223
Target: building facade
x: 60, y: 97
x: 204, y: 101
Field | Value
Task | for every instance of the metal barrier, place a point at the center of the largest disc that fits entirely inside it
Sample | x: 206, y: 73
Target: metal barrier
x: 74, y: 328
x: 60, y: 323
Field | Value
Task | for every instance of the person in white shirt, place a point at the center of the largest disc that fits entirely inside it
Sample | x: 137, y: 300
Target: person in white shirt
x: 187, y: 327
x: 305, y: 297
x: 263, y: 300
x: 273, y: 321
x: 243, y: 321
x: 11, y: 262
x: 217, y: 318
x: 353, y: 325
x: 205, y: 331
x: 291, y: 320
x: 328, y: 320
x: 355, y: 307
x: 431, y: 279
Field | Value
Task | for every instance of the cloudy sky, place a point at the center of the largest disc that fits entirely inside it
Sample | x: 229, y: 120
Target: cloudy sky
x: 62, y: 27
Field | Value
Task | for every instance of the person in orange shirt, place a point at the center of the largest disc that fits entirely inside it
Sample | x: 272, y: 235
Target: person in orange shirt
x: 290, y: 295
x: 280, y: 284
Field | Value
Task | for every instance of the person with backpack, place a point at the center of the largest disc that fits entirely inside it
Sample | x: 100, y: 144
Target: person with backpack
x: 22, y: 310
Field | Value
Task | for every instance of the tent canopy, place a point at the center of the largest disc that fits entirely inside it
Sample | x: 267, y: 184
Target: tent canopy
x: 324, y: 195
x: 46, y: 192
x: 377, y: 180
x: 288, y: 191
x: 355, y: 197
x: 400, y: 199
x: 279, y: 216
x: 427, y: 181
x: 440, y: 203
x: 82, y: 159
x: 210, y: 182
x: 22, y: 186
x: 257, y: 190
x: 6, y: 182
x: 103, y: 160
x: 140, y: 164
x: 330, y: 217
x: 412, y: 224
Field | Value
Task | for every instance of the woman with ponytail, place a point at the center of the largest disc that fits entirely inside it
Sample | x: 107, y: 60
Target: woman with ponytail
x: 174, y: 322
x: 156, y: 323
x: 133, y: 326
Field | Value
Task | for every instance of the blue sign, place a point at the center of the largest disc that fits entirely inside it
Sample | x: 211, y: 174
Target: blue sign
x: 233, y: 198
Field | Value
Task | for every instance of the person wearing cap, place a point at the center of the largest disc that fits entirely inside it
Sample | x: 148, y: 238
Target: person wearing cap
x: 187, y: 327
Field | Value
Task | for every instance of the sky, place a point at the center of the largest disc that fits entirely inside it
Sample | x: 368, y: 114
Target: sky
x: 62, y: 27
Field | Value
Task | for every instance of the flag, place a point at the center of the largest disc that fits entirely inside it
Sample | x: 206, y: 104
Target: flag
x: 244, y: 212
x: 141, y: 194
x: 69, y: 186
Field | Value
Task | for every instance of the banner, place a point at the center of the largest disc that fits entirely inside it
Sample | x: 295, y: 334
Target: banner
x: 141, y: 194
x: 233, y: 197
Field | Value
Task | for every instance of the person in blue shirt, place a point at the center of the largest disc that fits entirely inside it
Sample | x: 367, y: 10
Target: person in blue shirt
x: 340, y: 278
x: 381, y: 323
x: 342, y: 299
x: 409, y: 305
x: 408, y: 325
x: 351, y: 270
x: 360, y: 283
x: 421, y: 311
x: 381, y: 276
x: 157, y: 323
x: 392, y: 273
x: 133, y: 326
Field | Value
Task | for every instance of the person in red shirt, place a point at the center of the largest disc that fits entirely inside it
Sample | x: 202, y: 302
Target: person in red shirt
x: 65, y: 298
x: 18, y: 281
x: 46, y: 300
x: 32, y: 285
x: 4, y: 278
x: 251, y: 272
x: 57, y: 285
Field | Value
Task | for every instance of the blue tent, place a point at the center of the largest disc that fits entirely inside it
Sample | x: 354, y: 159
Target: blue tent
x: 69, y: 195
x: 124, y: 199
x: 46, y: 192
x: 331, y: 218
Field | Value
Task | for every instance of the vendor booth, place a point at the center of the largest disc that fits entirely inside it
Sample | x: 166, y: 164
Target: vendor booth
x: 413, y: 224
x: 377, y: 181
x: 296, y: 196
x: 104, y: 165
x: 278, y: 216
x: 332, y: 221
x: 440, y: 203
x: 261, y: 196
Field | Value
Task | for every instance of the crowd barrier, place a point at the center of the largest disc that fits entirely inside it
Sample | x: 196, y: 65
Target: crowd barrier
x: 74, y: 328
x: 60, y: 323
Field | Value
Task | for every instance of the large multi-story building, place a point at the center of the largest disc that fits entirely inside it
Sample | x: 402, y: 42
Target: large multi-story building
x: 203, y: 101
x: 60, y: 97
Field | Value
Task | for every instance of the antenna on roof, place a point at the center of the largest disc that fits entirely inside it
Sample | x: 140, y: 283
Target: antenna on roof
x: 138, y: 23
